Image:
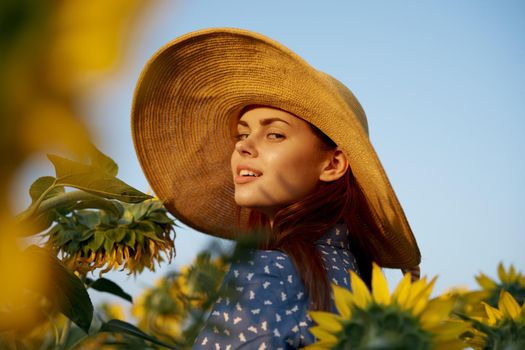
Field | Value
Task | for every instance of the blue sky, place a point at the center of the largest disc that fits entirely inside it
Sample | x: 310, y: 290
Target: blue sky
x: 442, y: 84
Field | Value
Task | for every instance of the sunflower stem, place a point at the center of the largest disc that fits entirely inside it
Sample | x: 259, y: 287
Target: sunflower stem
x: 67, y: 327
x: 64, y: 335
x: 43, y: 205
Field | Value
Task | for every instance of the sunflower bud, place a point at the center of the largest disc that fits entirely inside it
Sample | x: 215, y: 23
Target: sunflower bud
x: 132, y: 237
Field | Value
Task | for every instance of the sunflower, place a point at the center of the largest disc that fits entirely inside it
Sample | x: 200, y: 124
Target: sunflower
x: 122, y: 235
x: 500, y: 328
x: 405, y: 319
x: 167, y: 309
x: 511, y: 280
x: 158, y: 310
x: 469, y: 303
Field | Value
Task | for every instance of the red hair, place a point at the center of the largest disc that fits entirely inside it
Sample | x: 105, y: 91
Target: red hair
x: 298, y: 226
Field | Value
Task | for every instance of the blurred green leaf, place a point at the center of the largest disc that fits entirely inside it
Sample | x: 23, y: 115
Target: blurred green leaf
x: 93, y: 180
x: 104, y: 285
x: 38, y: 223
x: 68, y: 292
x: 74, y: 337
x: 117, y: 326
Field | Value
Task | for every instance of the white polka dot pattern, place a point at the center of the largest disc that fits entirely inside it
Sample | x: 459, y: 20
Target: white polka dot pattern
x: 268, y: 304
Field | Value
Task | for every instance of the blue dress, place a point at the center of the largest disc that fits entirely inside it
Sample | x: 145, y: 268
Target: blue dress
x: 269, y: 304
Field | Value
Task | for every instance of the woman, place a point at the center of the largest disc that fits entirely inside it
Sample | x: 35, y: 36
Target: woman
x: 236, y: 133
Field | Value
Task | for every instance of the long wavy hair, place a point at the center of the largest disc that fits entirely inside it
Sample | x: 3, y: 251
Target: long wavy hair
x: 299, y: 225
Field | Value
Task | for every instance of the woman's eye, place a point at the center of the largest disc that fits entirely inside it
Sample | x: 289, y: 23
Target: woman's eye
x: 240, y: 137
x: 274, y: 135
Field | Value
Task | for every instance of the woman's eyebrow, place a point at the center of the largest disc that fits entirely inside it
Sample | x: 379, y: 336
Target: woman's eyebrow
x: 265, y: 121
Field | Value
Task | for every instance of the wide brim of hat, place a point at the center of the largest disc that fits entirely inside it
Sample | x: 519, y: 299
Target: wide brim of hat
x: 187, y: 100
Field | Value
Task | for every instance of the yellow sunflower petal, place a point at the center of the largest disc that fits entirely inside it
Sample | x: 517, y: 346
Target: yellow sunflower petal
x: 521, y: 280
x: 361, y: 294
x: 493, y: 314
x: 476, y: 339
x: 322, y: 334
x: 485, y: 282
x: 343, y: 300
x: 502, y: 273
x: 402, y: 290
x: 508, y: 305
x: 419, y: 290
x: 436, y: 310
x: 512, y: 273
x: 419, y: 306
x: 321, y: 345
x: 329, y: 321
x: 380, y: 290
x: 421, y: 300
x: 448, y: 330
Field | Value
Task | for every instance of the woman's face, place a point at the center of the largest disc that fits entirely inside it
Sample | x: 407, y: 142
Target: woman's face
x: 283, y: 153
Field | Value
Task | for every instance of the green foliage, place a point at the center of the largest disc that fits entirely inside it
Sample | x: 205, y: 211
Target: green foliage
x: 68, y: 292
x: 94, y: 180
x: 509, y: 335
x: 103, y: 216
x: 105, y: 285
x: 118, y: 326
x: 68, y: 295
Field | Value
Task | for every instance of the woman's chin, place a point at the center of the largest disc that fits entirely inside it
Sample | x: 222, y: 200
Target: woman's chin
x: 268, y: 210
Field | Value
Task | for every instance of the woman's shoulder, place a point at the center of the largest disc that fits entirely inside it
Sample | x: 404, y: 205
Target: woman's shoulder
x: 261, y: 263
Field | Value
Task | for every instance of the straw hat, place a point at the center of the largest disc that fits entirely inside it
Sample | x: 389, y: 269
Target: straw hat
x: 188, y: 99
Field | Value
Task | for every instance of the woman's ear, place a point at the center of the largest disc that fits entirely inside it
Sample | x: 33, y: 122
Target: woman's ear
x: 335, y: 166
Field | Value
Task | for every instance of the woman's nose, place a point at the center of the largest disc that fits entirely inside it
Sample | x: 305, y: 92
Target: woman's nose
x: 246, y: 147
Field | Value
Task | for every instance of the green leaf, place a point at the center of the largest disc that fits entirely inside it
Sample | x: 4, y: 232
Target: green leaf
x: 120, y: 233
x: 41, y: 185
x: 38, y: 223
x: 108, y: 243
x: 68, y: 293
x: 118, y: 326
x: 130, y: 239
x: 88, y: 218
x: 64, y: 236
x: 160, y: 217
x: 105, y: 285
x: 86, y: 234
x: 93, y: 180
x: 150, y: 235
x: 75, y: 337
x: 96, y: 241
x: 103, y: 162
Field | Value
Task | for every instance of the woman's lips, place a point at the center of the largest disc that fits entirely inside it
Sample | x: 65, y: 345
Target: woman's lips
x: 245, y: 179
x: 244, y: 168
